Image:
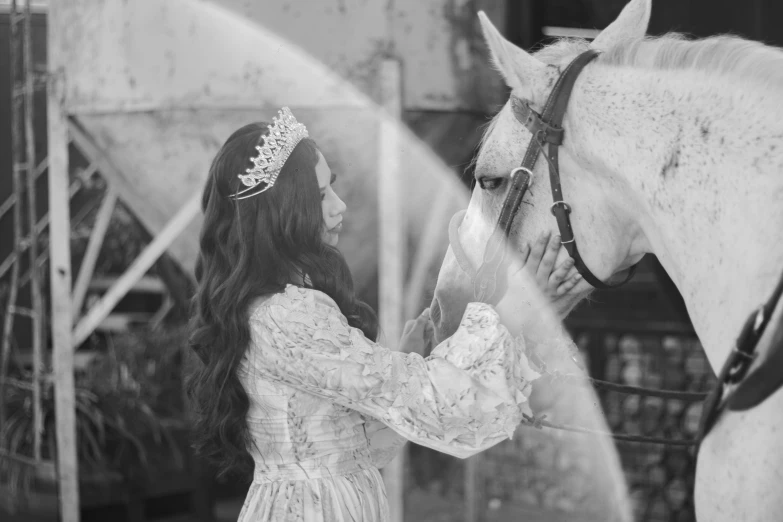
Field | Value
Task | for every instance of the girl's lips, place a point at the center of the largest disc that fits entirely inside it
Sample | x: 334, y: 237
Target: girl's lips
x: 337, y: 229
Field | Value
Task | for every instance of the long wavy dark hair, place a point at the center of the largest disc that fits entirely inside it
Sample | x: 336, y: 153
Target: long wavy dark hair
x: 251, y: 248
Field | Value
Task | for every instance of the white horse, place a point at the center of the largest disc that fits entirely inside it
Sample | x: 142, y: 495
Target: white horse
x: 672, y: 147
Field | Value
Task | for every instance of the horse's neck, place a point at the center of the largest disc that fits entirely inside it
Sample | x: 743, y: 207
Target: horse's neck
x: 705, y: 168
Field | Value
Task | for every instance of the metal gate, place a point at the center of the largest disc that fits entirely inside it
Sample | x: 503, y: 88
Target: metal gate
x: 536, y: 476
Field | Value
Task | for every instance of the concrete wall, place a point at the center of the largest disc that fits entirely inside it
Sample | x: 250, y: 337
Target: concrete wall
x: 439, y: 43
x: 140, y: 55
x: 160, y: 85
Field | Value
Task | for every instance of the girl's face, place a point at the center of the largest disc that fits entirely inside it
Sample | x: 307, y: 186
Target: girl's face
x: 332, y: 206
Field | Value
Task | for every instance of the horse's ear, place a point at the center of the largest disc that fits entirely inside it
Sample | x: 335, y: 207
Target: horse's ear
x: 632, y: 23
x: 520, y: 70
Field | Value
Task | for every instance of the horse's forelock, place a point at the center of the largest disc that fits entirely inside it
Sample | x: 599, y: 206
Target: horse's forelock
x: 562, y: 48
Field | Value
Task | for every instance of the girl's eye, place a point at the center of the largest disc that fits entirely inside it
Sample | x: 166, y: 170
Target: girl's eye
x: 323, y: 196
x: 490, y: 183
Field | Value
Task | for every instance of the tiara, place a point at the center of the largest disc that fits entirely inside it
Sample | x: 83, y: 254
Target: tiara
x: 284, y: 135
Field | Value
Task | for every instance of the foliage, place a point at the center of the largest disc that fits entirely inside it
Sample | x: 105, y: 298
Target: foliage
x: 129, y: 407
x: 125, y: 237
x: 129, y: 400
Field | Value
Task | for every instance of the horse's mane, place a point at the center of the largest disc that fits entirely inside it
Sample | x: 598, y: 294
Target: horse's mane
x: 724, y: 55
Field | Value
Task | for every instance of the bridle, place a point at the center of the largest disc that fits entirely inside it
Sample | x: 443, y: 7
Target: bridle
x: 737, y: 388
x: 488, y: 280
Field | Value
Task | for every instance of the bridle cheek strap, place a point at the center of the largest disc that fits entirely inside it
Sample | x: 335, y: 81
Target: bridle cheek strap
x: 562, y: 212
x: 548, y: 135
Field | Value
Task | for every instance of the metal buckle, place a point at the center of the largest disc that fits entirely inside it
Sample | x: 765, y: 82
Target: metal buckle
x: 739, y: 365
x: 523, y: 169
x: 760, y: 319
x: 565, y: 205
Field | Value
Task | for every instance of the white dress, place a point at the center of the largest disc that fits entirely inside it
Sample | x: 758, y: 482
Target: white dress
x: 328, y: 407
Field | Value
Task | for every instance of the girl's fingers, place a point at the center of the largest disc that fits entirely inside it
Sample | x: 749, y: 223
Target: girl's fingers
x: 408, y: 327
x: 524, y: 253
x: 537, y: 252
x: 572, y: 272
x: 548, y: 260
x: 429, y: 331
x: 569, y: 284
x: 560, y: 274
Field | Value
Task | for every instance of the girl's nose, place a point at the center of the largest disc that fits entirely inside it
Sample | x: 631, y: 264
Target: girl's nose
x: 341, y: 207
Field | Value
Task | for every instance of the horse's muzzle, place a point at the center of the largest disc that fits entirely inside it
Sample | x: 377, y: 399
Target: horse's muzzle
x: 450, y: 300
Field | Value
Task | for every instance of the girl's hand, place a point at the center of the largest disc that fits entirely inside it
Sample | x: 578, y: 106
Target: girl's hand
x: 519, y: 309
x: 539, y: 263
x: 418, y: 335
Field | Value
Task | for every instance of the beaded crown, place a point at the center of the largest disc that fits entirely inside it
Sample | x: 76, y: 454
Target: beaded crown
x: 284, y: 135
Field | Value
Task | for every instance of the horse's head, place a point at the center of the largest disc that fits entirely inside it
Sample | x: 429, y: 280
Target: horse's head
x: 608, y: 240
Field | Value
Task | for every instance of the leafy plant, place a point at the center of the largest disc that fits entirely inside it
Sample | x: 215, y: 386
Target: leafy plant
x: 129, y: 405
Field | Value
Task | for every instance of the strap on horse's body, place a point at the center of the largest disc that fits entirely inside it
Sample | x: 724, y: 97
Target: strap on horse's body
x: 750, y: 390
x: 764, y: 380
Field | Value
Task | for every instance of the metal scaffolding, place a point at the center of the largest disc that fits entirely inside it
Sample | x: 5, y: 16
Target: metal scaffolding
x: 25, y: 169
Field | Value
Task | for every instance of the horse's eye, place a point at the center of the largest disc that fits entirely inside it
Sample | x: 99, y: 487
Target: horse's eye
x: 490, y: 183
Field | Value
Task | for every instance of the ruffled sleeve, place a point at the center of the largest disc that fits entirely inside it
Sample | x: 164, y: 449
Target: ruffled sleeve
x: 467, y: 396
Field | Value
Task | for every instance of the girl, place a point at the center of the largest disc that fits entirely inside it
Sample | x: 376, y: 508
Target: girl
x: 293, y: 384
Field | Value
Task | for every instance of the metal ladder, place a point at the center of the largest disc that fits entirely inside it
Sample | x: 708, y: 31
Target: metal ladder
x: 25, y: 81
